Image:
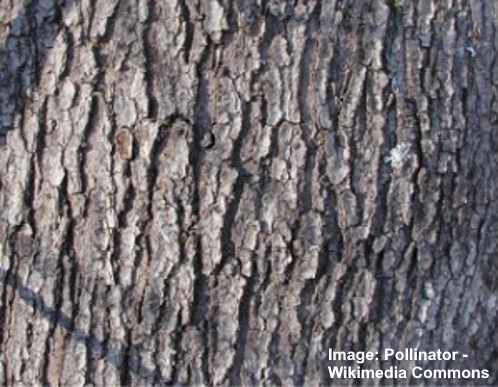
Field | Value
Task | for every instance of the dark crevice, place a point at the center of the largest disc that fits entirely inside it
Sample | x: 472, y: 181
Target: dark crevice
x: 202, y: 123
x: 228, y: 248
x: 332, y: 243
x: 36, y: 159
x: 306, y: 318
x: 189, y: 30
x: 94, y: 346
x: 273, y: 353
x: 289, y: 268
x: 69, y: 39
x: 83, y: 147
x: 305, y: 69
x: 345, y: 284
x: 152, y: 110
x: 177, y: 348
x: 145, y: 253
x: 244, y: 325
x: 124, y: 374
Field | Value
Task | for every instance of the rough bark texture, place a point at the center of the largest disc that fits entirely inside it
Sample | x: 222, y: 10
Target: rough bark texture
x: 216, y: 192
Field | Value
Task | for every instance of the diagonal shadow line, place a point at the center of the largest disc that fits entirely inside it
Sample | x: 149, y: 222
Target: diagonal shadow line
x: 32, y: 34
x: 25, y: 31
x: 99, y: 348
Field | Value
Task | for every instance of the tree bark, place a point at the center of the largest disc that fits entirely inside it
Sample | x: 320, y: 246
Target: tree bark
x: 217, y: 192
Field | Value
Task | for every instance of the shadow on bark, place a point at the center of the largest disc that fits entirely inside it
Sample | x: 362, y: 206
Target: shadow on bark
x: 23, y: 54
x: 97, y: 348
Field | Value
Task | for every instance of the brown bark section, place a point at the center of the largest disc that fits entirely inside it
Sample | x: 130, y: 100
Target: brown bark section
x: 216, y: 192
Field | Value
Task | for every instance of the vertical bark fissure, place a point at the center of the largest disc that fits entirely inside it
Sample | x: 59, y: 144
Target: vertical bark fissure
x: 189, y: 30
x: 152, y: 108
x: 201, y: 124
x: 228, y: 249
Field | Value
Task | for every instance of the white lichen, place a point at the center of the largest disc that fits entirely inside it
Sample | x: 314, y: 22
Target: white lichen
x: 471, y: 51
x: 398, y: 155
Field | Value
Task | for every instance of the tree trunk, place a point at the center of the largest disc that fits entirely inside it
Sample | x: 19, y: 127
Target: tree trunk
x: 217, y: 192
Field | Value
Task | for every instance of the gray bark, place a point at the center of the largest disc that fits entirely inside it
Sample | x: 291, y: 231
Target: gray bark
x: 217, y: 192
